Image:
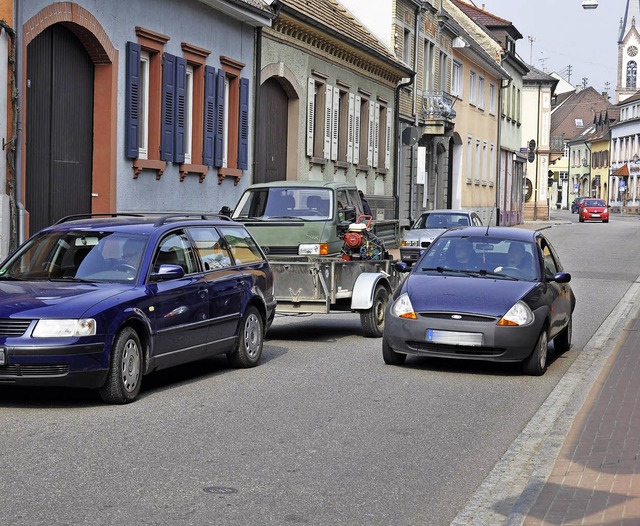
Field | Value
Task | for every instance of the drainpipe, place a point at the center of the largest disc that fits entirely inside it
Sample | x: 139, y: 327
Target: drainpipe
x: 396, y: 138
x: 535, y: 188
x: 589, y: 179
x: 416, y: 41
x: 10, y: 145
x: 499, y: 163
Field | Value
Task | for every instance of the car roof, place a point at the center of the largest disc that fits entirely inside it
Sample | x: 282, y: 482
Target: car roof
x: 303, y: 184
x: 511, y: 233
x: 447, y: 211
x: 142, y: 223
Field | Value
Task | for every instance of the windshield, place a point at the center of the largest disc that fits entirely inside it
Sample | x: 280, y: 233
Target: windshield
x: 440, y: 220
x: 308, y: 204
x: 594, y: 202
x: 77, y: 255
x: 481, y: 256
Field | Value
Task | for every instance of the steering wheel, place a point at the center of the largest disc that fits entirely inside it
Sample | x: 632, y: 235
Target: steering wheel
x: 515, y: 271
x: 123, y: 267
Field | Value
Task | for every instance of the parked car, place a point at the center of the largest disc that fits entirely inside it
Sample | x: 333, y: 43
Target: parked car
x: 99, y: 302
x: 491, y: 293
x: 429, y: 226
x: 575, y: 205
x: 594, y: 210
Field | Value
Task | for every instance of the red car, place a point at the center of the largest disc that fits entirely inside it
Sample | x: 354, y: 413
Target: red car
x: 594, y: 210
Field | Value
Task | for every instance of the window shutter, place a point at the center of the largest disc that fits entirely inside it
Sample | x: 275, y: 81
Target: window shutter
x: 311, y: 112
x: 180, y: 103
x: 335, y: 123
x: 387, y: 153
x: 376, y: 135
x: 350, y: 128
x: 218, y: 154
x: 243, y: 139
x: 168, y: 107
x: 328, y: 100
x: 132, y: 100
x: 370, y: 135
x: 209, y: 114
x: 356, y: 130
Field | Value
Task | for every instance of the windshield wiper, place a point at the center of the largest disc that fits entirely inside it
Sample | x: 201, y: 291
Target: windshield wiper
x: 285, y: 217
x: 442, y: 270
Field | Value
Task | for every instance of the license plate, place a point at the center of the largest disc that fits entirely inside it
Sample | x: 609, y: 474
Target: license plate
x: 3, y: 355
x: 595, y: 215
x: 469, y: 339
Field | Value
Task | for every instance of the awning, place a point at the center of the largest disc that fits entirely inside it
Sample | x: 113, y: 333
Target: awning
x: 622, y: 171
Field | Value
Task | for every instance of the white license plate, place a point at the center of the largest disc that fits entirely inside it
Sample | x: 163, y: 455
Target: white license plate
x: 3, y: 355
x: 595, y: 215
x: 469, y: 339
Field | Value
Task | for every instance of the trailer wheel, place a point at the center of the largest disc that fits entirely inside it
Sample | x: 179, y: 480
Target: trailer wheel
x: 372, y: 320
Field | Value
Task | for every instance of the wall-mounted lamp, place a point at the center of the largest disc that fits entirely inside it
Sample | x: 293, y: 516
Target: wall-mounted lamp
x: 589, y: 4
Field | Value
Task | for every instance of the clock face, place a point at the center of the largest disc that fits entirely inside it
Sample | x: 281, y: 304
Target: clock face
x: 632, y: 51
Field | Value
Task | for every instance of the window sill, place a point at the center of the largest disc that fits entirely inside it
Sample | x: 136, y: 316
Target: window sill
x: 318, y: 160
x: 197, y: 169
x: 363, y: 167
x: 149, y: 164
x: 229, y: 172
x: 382, y: 171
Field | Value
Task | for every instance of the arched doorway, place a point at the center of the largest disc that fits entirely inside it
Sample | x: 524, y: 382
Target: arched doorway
x: 59, y: 127
x: 271, y: 133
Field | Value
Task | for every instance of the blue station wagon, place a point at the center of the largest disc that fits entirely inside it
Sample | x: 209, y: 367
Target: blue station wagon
x: 98, y: 302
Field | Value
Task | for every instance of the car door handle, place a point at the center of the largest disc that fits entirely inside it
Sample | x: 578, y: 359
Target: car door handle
x: 203, y: 292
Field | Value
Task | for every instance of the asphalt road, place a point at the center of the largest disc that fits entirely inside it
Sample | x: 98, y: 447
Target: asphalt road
x: 321, y: 433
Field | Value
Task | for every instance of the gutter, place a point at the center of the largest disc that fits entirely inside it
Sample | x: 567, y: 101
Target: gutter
x: 396, y: 138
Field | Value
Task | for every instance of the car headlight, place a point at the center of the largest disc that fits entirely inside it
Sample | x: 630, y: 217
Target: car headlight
x: 518, y: 315
x: 410, y: 243
x: 64, y: 328
x: 313, y: 249
x: 402, y: 308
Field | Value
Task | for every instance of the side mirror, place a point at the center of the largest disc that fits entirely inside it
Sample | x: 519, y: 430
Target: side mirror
x: 167, y: 272
x: 562, y: 277
x: 401, y: 266
x: 225, y: 211
x: 349, y: 213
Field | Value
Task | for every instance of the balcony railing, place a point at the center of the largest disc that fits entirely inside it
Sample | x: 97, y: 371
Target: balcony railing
x: 438, y: 105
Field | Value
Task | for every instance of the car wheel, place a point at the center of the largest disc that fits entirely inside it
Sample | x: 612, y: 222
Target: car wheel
x: 605, y: 220
x: 250, y: 340
x: 581, y: 219
x: 562, y: 342
x: 390, y: 356
x: 372, y: 320
x: 125, y: 370
x: 536, y: 364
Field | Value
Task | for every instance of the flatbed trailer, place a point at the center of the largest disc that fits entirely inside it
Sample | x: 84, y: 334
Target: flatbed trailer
x: 316, y: 285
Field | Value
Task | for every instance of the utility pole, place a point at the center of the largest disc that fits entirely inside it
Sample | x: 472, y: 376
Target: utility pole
x: 531, y: 41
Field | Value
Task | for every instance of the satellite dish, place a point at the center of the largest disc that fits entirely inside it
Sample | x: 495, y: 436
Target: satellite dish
x: 589, y: 4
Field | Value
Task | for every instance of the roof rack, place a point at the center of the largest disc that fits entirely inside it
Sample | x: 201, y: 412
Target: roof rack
x: 89, y: 216
x: 165, y: 218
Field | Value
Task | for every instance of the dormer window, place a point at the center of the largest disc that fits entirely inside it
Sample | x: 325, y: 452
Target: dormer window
x: 579, y: 123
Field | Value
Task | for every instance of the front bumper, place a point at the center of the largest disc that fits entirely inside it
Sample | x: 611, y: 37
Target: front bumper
x: 498, y: 344
x: 78, y: 365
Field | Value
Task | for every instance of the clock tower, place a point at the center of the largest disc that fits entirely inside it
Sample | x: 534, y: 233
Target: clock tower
x: 628, y: 58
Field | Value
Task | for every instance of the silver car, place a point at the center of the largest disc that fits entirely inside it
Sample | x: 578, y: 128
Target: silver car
x: 429, y: 226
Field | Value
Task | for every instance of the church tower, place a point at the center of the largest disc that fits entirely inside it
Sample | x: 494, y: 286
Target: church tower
x: 628, y: 57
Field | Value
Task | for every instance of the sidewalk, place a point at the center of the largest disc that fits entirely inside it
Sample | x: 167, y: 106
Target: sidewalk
x: 596, y: 477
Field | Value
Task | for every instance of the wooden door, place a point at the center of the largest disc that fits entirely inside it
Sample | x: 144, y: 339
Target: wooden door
x: 271, y: 133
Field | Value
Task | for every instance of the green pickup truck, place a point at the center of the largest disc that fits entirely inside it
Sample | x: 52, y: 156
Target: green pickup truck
x: 296, y: 218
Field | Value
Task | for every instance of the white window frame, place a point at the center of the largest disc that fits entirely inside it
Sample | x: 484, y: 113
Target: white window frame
x: 469, y: 158
x: 480, y: 92
x: 472, y: 88
x: 225, y: 124
x: 143, y: 129
x: 492, y: 99
x: 456, y: 79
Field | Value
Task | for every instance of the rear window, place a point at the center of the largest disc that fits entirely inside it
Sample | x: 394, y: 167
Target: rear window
x: 438, y: 220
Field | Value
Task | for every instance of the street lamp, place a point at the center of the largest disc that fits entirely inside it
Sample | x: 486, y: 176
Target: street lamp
x: 589, y: 4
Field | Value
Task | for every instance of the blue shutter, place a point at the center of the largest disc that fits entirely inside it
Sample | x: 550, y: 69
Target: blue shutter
x: 180, y: 115
x: 209, y: 115
x: 243, y: 132
x: 132, y: 101
x: 168, y: 107
x: 219, y: 132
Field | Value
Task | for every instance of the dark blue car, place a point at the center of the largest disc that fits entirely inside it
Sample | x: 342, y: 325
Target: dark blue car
x: 99, y: 302
x: 482, y: 293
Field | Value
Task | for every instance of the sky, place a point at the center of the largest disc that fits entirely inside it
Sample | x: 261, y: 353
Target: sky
x: 564, y: 34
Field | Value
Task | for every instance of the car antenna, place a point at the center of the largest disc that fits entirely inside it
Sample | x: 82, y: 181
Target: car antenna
x: 489, y: 223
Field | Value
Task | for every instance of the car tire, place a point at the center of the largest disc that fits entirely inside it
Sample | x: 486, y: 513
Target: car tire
x: 536, y: 363
x: 125, y: 369
x: 581, y: 219
x: 562, y: 342
x: 372, y: 320
x: 250, y: 340
x: 390, y: 356
x: 605, y: 221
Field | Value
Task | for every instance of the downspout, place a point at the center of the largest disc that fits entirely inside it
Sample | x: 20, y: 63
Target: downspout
x: 256, y: 95
x: 10, y: 146
x: 415, y: 62
x: 499, y: 163
x: 589, y: 179
x: 396, y: 138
